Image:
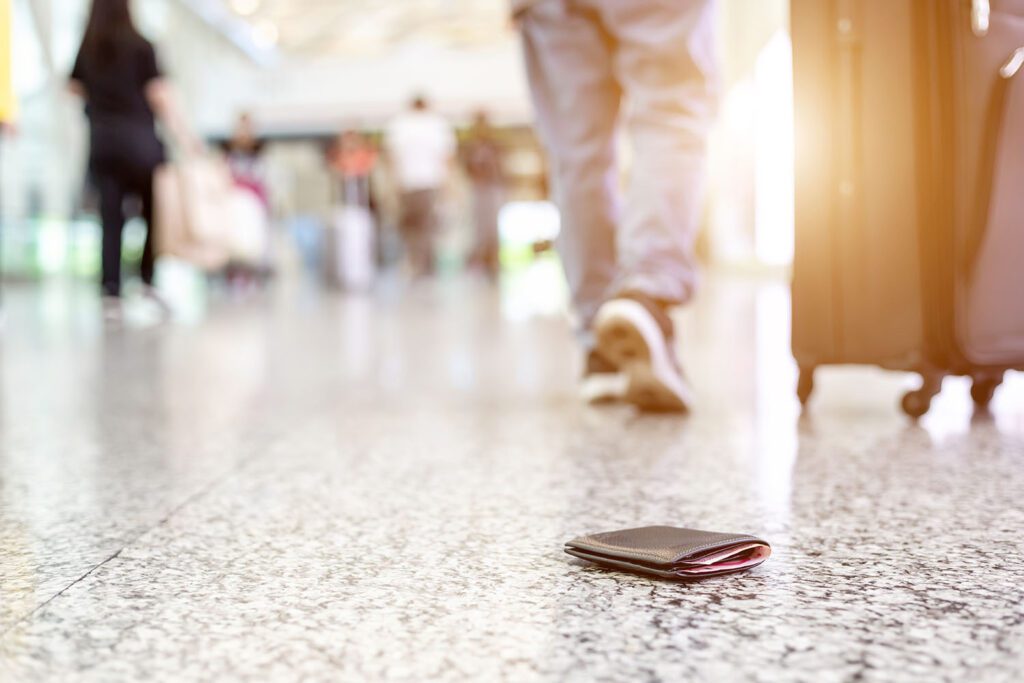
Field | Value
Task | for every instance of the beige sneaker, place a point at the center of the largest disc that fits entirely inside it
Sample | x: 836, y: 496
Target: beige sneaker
x: 602, y: 382
x: 636, y: 334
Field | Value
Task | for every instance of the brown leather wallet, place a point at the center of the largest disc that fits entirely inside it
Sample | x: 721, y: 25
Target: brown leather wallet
x: 672, y: 553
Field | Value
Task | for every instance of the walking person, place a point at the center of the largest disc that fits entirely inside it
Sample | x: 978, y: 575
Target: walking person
x: 117, y: 74
x: 482, y: 159
x: 650, y: 65
x: 420, y: 146
x: 244, y: 154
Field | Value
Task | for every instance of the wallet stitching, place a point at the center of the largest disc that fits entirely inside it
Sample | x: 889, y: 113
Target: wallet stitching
x: 689, y: 551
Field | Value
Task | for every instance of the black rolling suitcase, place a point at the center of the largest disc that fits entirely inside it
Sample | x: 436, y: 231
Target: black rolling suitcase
x: 910, y: 189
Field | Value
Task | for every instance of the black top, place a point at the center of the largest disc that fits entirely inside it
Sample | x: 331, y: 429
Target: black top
x: 116, y: 87
x: 120, y: 117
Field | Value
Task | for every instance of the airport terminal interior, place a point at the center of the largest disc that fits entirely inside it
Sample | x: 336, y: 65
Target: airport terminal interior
x: 296, y: 465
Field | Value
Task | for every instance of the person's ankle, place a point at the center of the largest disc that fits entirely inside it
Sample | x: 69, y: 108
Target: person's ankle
x: 658, y: 308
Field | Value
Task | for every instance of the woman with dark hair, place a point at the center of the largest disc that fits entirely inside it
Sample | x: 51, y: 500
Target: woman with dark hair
x: 117, y: 74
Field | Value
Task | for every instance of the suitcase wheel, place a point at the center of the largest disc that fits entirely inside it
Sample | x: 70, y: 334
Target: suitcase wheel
x: 984, y: 388
x: 805, y: 385
x: 916, y: 403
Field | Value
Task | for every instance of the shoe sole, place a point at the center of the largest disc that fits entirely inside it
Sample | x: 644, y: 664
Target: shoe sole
x: 604, y: 388
x: 630, y: 337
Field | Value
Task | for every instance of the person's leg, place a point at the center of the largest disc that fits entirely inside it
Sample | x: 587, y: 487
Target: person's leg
x: 147, y: 266
x: 416, y: 227
x: 407, y: 227
x: 430, y: 229
x: 486, y: 204
x: 112, y: 217
x: 569, y: 60
x: 477, y: 203
x: 666, y: 63
x: 494, y: 196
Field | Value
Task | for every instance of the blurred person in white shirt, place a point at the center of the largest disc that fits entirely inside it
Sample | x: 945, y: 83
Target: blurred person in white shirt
x: 421, y: 147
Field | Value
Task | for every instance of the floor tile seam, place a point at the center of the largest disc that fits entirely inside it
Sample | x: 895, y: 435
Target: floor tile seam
x: 231, y: 472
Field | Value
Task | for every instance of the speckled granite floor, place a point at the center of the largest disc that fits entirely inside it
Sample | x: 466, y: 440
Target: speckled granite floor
x: 309, y: 488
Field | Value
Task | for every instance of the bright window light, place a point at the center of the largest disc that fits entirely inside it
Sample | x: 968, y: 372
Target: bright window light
x: 266, y: 34
x: 526, y: 223
x: 245, y: 8
x: 773, y: 210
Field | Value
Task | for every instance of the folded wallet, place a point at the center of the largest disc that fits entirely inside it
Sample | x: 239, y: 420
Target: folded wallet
x: 672, y: 553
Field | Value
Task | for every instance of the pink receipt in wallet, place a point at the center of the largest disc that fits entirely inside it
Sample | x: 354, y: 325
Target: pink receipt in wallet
x: 732, y: 559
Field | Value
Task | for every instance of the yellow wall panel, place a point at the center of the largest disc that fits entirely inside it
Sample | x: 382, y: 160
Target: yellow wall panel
x: 6, y: 76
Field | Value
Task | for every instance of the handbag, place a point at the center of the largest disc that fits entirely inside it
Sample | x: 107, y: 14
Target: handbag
x: 192, y: 211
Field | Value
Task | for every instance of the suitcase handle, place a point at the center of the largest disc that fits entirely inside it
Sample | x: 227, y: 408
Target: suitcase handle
x: 1013, y: 64
x: 981, y: 17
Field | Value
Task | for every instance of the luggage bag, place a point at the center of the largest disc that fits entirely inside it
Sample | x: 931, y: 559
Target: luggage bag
x: 910, y: 189
x: 350, y: 249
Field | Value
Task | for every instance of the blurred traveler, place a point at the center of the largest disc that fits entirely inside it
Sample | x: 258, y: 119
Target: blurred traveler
x: 245, y: 159
x: 353, y: 158
x: 351, y: 248
x: 653, y: 62
x: 420, y: 146
x: 482, y: 158
x: 250, y: 263
x: 117, y: 74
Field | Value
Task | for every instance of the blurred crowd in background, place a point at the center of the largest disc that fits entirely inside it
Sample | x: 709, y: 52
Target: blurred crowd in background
x: 349, y: 155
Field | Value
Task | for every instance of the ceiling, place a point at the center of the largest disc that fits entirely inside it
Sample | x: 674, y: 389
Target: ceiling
x: 339, y: 28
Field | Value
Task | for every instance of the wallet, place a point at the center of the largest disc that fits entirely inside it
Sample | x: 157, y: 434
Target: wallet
x: 670, y: 552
